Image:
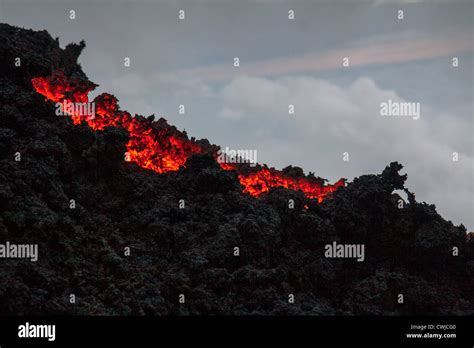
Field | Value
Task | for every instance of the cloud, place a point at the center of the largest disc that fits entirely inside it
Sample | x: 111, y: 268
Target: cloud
x: 377, y: 3
x: 330, y: 119
x: 386, y: 49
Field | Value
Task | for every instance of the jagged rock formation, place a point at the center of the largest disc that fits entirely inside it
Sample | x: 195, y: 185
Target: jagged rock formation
x: 190, y: 251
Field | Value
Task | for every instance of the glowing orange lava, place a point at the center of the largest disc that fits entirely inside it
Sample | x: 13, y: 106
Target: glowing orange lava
x: 150, y: 147
x: 264, y: 179
x: 163, y: 148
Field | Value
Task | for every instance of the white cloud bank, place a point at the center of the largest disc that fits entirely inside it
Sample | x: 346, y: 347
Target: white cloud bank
x: 331, y: 119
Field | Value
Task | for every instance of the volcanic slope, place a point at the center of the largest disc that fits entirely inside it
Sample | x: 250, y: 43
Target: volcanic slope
x: 72, y: 193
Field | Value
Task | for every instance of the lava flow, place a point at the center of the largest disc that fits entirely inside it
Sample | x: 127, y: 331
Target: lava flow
x: 261, y: 181
x: 160, y: 147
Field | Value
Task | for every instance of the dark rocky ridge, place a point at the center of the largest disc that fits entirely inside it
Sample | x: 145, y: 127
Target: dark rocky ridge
x: 190, y: 250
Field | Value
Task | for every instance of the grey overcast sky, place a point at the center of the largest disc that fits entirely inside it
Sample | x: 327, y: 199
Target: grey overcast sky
x: 299, y: 62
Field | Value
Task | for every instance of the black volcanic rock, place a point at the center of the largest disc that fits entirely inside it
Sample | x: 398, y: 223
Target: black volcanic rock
x: 190, y: 251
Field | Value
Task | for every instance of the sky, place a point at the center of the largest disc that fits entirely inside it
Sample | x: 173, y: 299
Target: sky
x: 296, y: 61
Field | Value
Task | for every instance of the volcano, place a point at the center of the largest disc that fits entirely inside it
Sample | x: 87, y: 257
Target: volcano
x: 160, y: 148
x: 131, y: 216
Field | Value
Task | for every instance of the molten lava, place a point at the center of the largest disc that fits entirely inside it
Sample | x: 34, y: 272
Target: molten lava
x: 263, y: 180
x: 163, y: 148
x: 150, y: 147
